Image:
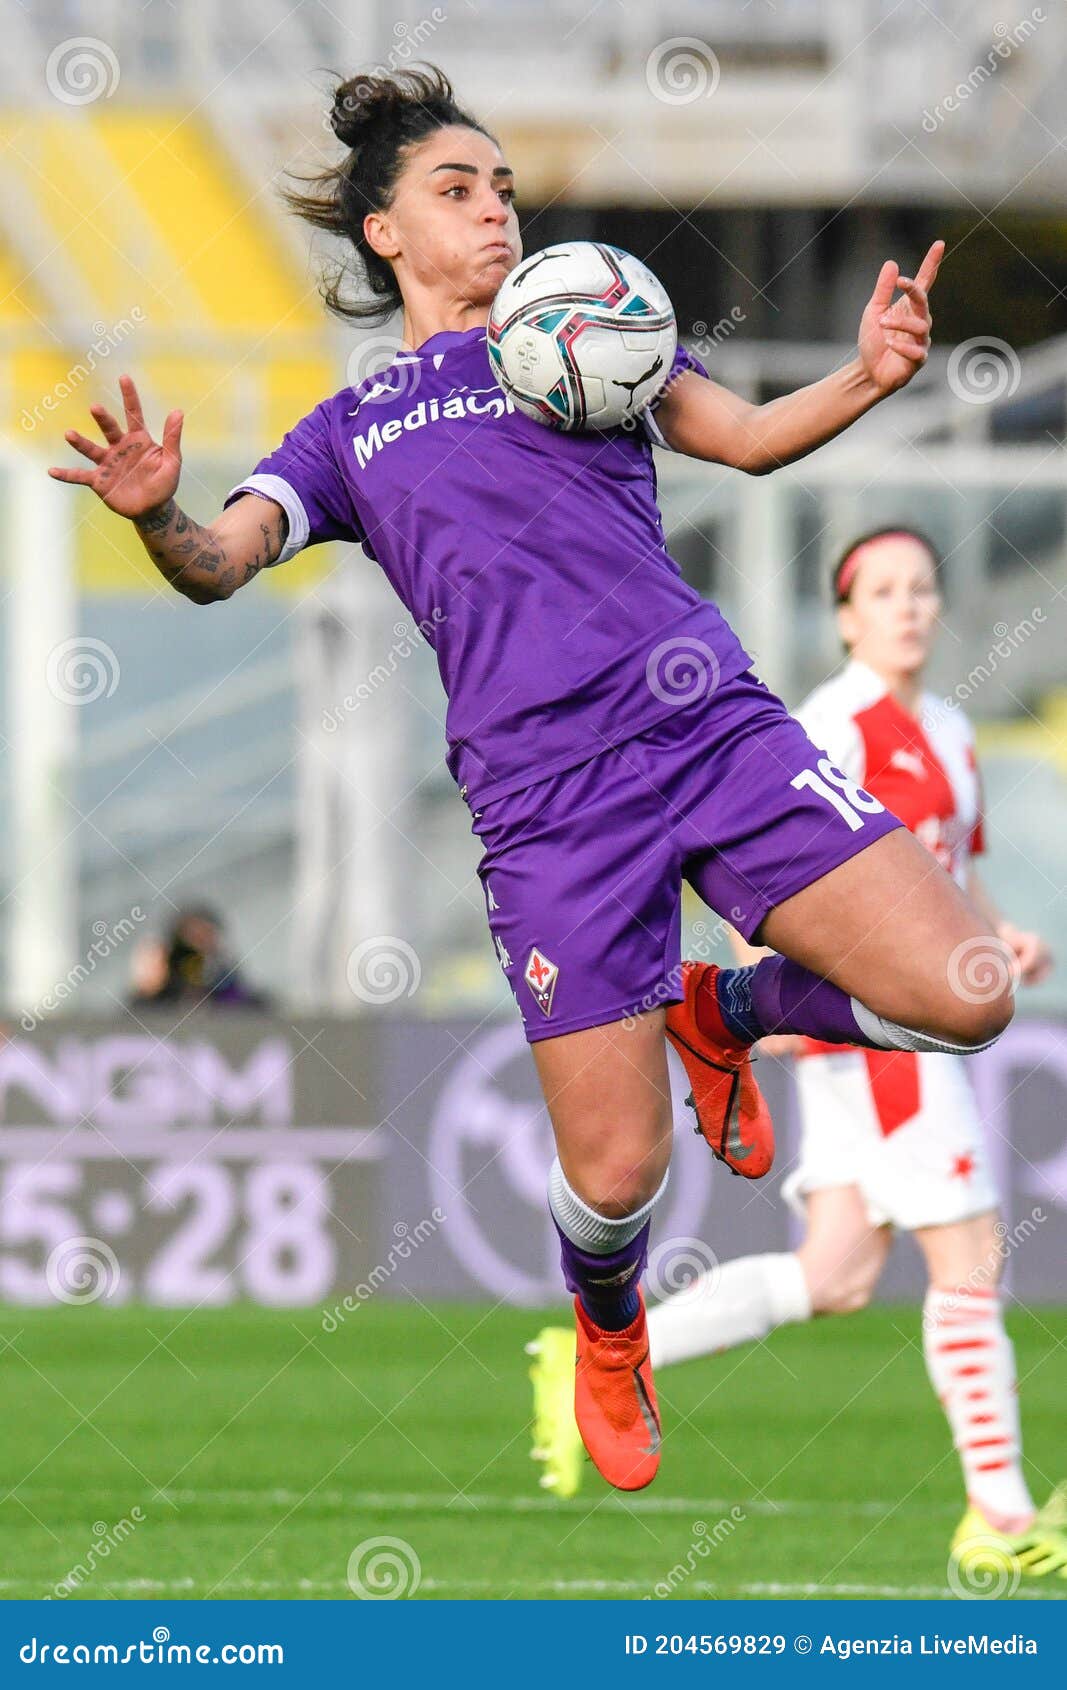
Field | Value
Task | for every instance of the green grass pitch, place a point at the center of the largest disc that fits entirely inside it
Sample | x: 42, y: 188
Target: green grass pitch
x: 245, y: 1452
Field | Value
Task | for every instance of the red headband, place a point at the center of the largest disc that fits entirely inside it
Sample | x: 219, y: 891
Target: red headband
x: 846, y: 574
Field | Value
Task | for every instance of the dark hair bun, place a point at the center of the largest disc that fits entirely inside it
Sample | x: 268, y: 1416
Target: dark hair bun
x: 361, y: 102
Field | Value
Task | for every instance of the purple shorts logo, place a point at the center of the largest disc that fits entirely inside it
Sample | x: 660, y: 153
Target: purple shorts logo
x: 541, y: 976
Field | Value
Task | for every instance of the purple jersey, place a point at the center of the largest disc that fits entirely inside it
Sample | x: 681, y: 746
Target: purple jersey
x: 534, y: 561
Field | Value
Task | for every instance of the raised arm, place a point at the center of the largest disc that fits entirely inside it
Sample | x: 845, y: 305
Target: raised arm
x: 704, y: 420
x: 138, y: 478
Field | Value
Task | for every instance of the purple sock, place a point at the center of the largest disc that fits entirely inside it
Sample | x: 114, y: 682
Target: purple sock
x: 775, y: 995
x: 607, y: 1285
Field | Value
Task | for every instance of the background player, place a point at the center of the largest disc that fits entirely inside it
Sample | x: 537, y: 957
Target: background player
x: 537, y: 558
x: 889, y: 1138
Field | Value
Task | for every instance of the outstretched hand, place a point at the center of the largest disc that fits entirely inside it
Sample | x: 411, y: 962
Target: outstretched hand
x: 894, y: 336
x: 132, y: 474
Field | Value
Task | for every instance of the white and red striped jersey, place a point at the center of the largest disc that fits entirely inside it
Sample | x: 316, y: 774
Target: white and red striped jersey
x: 921, y: 767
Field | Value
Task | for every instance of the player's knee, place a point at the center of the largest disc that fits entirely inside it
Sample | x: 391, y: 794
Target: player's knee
x: 618, y: 1189
x: 623, y: 1194
x: 976, y: 1017
x: 843, y: 1293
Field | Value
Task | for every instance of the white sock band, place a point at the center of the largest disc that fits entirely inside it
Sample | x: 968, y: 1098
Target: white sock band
x: 889, y: 1035
x: 598, y: 1234
x: 735, y: 1303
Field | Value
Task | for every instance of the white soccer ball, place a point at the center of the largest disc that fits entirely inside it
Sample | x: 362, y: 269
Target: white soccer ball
x: 582, y: 335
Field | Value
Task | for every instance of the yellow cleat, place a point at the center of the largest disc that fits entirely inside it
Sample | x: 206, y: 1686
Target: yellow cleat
x: 1054, y: 1514
x: 985, y: 1562
x: 557, y: 1443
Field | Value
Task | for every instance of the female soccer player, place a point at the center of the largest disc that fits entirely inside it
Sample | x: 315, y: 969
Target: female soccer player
x: 595, y: 782
x: 892, y: 1138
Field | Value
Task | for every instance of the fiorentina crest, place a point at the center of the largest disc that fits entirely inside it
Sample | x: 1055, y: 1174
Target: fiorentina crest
x: 541, y: 976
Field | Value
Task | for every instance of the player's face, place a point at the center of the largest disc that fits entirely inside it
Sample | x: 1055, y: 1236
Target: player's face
x: 891, y: 615
x: 452, y: 222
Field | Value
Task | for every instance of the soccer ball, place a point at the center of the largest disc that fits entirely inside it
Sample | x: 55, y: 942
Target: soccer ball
x: 581, y: 335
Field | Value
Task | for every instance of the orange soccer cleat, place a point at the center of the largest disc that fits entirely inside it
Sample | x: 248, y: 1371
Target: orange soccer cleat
x: 728, y: 1103
x: 615, y: 1400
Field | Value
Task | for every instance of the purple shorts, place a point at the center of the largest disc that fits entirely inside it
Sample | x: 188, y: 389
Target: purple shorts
x: 582, y: 872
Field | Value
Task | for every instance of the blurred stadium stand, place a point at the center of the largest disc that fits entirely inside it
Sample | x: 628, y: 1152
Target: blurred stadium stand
x: 176, y: 752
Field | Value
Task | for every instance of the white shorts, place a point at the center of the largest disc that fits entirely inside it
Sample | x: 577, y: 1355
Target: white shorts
x: 901, y: 1127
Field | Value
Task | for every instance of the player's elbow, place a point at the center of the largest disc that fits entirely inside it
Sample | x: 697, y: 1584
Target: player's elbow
x: 748, y: 449
x: 757, y: 463
x: 741, y: 452
x: 201, y: 592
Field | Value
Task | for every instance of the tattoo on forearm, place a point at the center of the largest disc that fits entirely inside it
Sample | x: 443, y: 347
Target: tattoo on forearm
x: 183, y: 562
x: 184, y: 551
x: 154, y: 521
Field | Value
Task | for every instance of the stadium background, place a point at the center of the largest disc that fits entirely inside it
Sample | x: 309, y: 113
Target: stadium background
x: 279, y: 757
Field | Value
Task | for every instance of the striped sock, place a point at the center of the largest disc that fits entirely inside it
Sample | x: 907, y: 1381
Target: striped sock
x: 971, y: 1364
